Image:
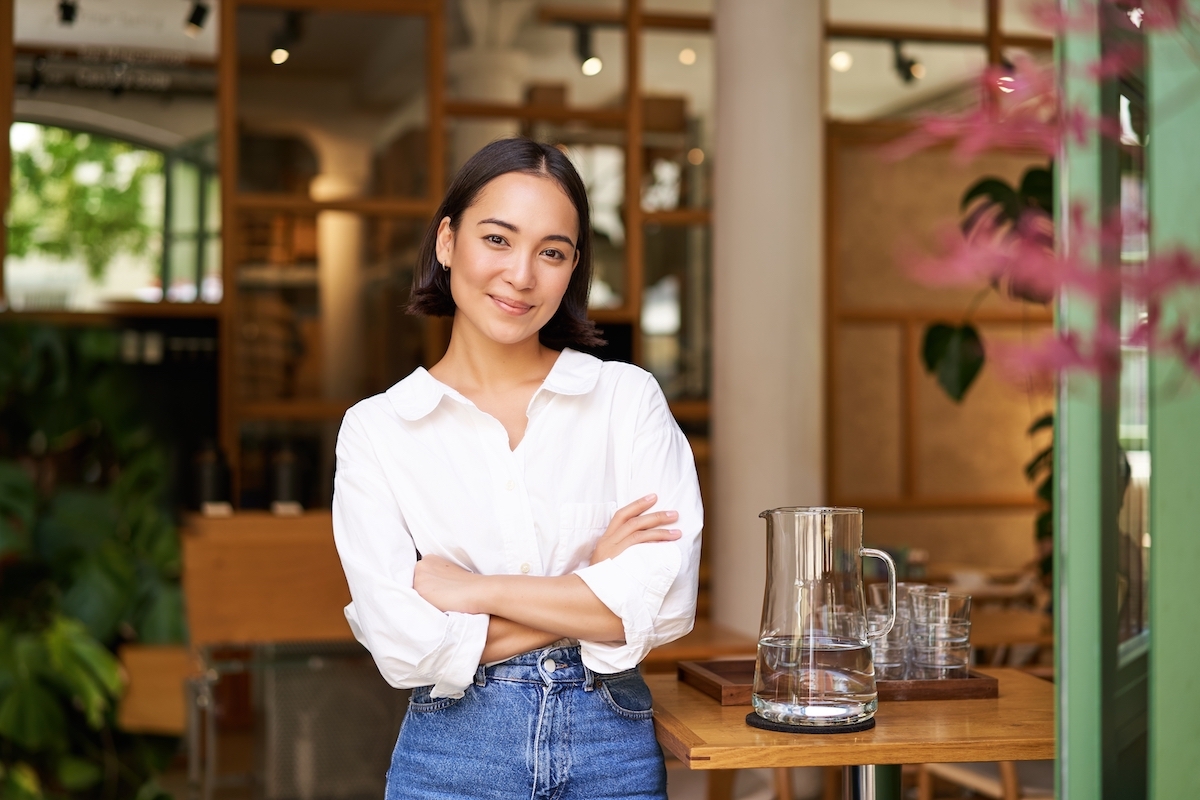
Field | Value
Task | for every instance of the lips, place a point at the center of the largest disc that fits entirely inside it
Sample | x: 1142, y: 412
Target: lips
x: 514, y: 307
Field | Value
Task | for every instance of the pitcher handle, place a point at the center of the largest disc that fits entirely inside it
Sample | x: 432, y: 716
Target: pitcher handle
x: 891, y: 570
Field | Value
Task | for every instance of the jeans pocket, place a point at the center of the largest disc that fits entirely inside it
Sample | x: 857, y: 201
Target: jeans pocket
x: 420, y: 700
x: 627, y: 694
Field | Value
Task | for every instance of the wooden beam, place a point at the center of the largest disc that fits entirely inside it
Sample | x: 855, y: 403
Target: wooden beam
x: 635, y: 253
x: 7, y: 57
x: 568, y: 15
x: 227, y: 148
x: 994, y: 36
x: 601, y: 117
x: 932, y: 35
x: 390, y: 7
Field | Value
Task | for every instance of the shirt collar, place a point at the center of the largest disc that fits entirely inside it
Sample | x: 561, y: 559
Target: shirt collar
x: 420, y: 393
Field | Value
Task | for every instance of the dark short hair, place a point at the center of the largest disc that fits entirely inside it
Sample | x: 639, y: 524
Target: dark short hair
x: 430, y: 297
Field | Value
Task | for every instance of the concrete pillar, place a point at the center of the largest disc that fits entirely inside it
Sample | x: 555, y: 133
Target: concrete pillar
x: 768, y: 288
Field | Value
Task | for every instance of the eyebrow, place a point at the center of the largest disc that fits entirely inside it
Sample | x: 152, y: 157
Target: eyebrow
x: 554, y: 237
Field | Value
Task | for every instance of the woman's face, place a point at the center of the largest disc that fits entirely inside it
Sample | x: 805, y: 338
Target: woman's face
x: 512, y: 256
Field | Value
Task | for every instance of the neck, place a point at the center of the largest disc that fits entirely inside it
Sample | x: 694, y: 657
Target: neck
x: 473, y: 361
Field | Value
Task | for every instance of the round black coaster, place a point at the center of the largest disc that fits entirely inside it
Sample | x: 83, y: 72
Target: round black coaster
x: 755, y: 721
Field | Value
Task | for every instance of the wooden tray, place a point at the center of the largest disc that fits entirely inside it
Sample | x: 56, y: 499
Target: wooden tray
x: 731, y: 682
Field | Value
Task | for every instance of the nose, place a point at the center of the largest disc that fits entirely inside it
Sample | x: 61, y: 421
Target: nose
x: 520, y: 272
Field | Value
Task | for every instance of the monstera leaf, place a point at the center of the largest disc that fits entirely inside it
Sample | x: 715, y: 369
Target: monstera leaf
x: 955, y: 354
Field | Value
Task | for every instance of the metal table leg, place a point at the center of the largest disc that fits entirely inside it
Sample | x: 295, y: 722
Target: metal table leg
x: 871, y: 782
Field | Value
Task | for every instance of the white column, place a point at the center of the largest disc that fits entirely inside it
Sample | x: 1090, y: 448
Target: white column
x: 768, y: 308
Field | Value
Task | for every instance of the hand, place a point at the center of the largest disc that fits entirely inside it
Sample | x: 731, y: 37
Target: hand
x: 631, y: 525
x: 444, y: 585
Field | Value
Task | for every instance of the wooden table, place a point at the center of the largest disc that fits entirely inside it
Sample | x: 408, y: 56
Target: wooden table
x: 1017, y: 726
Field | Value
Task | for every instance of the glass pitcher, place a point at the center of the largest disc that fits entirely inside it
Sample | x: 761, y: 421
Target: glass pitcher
x: 814, y: 651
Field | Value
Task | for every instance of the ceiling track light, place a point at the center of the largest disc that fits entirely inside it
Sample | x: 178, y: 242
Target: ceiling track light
x: 286, y: 37
x: 67, y: 9
x: 194, y: 25
x: 908, y: 68
x: 589, y: 62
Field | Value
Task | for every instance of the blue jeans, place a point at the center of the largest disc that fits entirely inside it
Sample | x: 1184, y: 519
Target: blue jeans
x: 540, y: 725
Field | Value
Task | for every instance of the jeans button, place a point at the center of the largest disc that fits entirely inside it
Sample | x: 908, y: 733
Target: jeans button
x: 549, y: 665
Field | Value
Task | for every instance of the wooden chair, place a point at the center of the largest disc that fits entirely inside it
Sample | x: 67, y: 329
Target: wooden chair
x: 1001, y: 780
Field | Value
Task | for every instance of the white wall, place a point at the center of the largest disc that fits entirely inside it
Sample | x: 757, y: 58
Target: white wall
x: 767, y: 287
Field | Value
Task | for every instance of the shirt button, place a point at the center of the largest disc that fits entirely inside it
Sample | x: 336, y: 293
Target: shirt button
x: 524, y: 569
x: 510, y: 485
x: 549, y: 665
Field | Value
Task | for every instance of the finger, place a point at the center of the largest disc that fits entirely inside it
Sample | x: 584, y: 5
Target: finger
x: 655, y: 520
x: 635, y: 508
x: 655, y: 535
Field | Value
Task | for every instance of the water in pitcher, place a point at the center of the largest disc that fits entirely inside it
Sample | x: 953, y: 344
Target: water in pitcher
x: 814, y: 681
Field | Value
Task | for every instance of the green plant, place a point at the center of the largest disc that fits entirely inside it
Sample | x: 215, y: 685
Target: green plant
x: 77, y: 195
x: 89, y: 558
x: 955, y: 352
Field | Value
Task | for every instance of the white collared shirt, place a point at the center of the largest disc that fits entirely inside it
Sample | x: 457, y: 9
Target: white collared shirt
x: 421, y: 469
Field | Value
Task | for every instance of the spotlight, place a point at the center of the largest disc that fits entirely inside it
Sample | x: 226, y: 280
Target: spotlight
x: 687, y: 56
x: 195, y: 20
x: 67, y: 9
x: 695, y: 156
x: 909, y: 69
x: 841, y: 61
x: 589, y: 62
x: 286, y: 37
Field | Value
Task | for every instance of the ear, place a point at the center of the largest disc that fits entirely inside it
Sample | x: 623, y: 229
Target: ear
x: 445, y: 241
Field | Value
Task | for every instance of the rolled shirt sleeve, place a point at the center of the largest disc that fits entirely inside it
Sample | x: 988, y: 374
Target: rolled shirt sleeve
x: 651, y: 586
x: 413, y: 643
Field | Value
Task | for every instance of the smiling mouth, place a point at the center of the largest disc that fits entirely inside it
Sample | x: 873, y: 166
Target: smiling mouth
x: 514, y: 307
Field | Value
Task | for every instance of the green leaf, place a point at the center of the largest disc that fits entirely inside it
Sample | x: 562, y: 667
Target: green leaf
x: 1037, y: 189
x: 1044, y: 460
x: 32, y: 716
x: 20, y: 782
x: 78, y: 521
x: 997, y: 192
x: 85, y: 668
x: 152, y: 790
x: 956, y: 354
x: 1042, y: 422
x: 76, y: 773
x: 1045, y: 525
x: 161, y: 620
x: 937, y: 339
x: 18, y: 497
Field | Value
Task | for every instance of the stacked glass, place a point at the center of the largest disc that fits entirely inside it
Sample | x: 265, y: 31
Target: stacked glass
x: 889, y: 654
x: 939, y: 634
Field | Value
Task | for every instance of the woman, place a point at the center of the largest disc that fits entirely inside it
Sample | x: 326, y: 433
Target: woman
x: 519, y: 525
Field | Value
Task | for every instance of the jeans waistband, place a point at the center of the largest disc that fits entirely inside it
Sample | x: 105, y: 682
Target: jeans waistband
x: 548, y: 665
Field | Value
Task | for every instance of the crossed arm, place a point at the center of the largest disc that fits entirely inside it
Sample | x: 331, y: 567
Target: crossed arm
x: 528, y: 612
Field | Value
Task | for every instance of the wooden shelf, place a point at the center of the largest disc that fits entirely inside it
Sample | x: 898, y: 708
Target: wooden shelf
x: 612, y: 316
x: 299, y: 204
x: 297, y: 410
x: 678, y: 217
x: 690, y: 410
x: 117, y: 311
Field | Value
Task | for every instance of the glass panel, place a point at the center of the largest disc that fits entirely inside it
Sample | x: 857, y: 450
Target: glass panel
x: 678, y: 119
x: 84, y: 221
x: 953, y: 14
x: 332, y: 105
x: 104, y: 101
x: 561, y: 58
x: 675, y: 309
x: 1133, y: 523
x: 867, y: 79
x: 321, y: 305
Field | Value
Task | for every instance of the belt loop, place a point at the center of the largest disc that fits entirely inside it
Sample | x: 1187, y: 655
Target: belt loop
x: 589, y: 679
x: 481, y: 676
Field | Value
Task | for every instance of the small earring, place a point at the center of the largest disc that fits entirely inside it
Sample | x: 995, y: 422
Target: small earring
x: 445, y: 267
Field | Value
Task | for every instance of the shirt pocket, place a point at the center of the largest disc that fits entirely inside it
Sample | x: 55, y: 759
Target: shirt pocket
x: 580, y: 525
